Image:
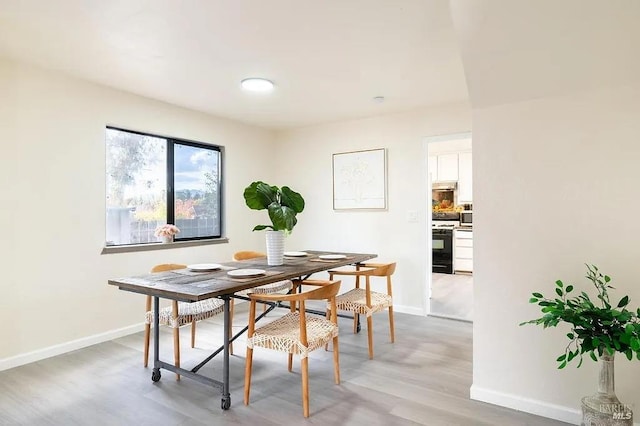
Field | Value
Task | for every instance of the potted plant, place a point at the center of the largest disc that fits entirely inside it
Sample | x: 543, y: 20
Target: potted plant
x: 282, y: 204
x: 166, y: 232
x: 599, y: 329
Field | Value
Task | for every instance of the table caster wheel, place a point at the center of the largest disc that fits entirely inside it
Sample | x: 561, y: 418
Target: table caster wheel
x: 225, y: 403
x: 155, y: 376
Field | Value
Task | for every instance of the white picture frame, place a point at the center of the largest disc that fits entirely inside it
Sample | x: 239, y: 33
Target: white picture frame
x: 360, y: 180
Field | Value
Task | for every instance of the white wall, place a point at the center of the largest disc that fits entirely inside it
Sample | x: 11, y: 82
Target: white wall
x: 555, y: 186
x: 52, y: 167
x: 305, y: 164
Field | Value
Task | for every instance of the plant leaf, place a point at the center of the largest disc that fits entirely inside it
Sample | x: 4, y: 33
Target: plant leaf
x: 623, y: 302
x: 259, y: 195
x: 292, y: 199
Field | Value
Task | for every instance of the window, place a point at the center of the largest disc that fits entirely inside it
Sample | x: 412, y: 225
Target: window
x: 153, y: 180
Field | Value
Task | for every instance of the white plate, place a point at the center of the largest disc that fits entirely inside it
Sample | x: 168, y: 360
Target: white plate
x: 199, y: 267
x: 245, y: 273
x: 295, y: 253
x: 332, y: 256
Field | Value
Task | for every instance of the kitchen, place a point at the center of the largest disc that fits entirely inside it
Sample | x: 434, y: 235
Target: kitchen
x: 450, y: 172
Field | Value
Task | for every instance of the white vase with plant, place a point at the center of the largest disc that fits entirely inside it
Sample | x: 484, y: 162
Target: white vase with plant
x: 282, y: 204
x: 598, y: 329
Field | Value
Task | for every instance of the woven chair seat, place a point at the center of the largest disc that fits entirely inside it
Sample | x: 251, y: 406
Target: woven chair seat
x: 284, y: 285
x: 283, y: 334
x: 188, y: 312
x: 355, y: 300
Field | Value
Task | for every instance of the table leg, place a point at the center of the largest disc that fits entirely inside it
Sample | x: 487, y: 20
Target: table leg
x: 226, y: 397
x: 155, y: 375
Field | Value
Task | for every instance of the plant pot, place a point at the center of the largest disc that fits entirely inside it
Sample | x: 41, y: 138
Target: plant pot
x: 275, y: 248
x: 167, y: 239
x: 604, y: 408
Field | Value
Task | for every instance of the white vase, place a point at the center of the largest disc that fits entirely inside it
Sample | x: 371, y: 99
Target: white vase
x: 275, y: 248
x: 604, y: 408
x: 167, y: 239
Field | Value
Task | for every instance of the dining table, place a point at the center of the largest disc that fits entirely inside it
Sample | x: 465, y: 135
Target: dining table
x: 192, y: 285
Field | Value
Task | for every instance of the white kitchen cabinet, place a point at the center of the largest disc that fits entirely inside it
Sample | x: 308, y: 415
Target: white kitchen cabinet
x: 448, y: 167
x: 463, y: 250
x: 465, y: 178
x: 433, y: 167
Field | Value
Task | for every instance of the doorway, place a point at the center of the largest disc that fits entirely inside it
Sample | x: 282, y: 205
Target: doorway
x: 449, y: 167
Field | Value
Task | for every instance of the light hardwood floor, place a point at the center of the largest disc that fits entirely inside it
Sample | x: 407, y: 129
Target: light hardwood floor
x: 422, y: 379
x: 452, y: 296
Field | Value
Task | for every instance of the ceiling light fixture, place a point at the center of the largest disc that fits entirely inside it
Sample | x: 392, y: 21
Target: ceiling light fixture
x: 378, y: 99
x: 257, y: 84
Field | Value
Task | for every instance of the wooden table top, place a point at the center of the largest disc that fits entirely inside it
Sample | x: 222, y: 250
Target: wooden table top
x: 187, y: 286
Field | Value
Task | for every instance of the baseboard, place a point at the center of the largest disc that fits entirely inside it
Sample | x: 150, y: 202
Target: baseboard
x: 532, y: 406
x: 403, y: 309
x: 40, y: 354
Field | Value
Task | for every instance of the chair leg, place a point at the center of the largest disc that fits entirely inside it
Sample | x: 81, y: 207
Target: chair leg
x: 176, y: 349
x: 305, y: 386
x: 370, y: 335
x: 328, y: 316
x: 193, y: 334
x: 391, y: 326
x: 247, y: 375
x: 290, y: 364
x: 336, y: 361
x: 355, y: 323
x: 147, y: 335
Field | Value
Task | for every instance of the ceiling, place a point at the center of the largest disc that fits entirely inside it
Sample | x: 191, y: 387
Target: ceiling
x: 520, y: 50
x: 328, y: 59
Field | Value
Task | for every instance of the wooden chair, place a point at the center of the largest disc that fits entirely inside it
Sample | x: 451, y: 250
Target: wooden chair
x: 177, y: 315
x: 247, y: 254
x: 364, y: 301
x: 295, y: 333
x: 277, y: 287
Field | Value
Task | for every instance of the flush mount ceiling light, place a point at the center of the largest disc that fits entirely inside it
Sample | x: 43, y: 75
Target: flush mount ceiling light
x: 378, y: 99
x: 256, y: 84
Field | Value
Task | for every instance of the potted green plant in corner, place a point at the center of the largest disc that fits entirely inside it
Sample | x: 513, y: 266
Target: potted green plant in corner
x: 282, y: 204
x: 599, y: 329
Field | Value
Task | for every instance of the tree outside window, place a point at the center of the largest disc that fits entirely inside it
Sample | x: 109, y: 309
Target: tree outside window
x: 153, y: 180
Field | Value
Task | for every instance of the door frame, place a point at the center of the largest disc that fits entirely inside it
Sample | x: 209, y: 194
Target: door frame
x: 427, y: 178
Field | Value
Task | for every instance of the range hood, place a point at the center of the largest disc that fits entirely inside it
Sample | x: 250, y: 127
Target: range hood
x: 445, y: 186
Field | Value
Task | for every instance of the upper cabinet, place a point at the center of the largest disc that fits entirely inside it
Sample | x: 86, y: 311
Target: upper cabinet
x: 450, y: 160
x: 447, y: 167
x: 465, y: 178
x: 433, y: 167
x: 454, y: 167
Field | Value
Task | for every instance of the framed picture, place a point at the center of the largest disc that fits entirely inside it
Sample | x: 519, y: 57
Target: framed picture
x: 360, y: 180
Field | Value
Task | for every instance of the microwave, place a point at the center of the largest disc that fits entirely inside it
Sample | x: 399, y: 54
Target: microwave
x: 466, y: 218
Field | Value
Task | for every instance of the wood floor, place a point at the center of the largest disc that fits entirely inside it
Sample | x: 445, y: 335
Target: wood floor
x: 422, y: 379
x: 452, y: 296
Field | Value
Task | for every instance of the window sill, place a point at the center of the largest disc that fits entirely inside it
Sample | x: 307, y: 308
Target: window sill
x: 162, y: 246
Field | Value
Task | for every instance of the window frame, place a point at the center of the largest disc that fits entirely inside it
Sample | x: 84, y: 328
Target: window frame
x: 170, y: 195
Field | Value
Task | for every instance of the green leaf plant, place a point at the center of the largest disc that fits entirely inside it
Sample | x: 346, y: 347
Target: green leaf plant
x: 282, y: 204
x: 596, y: 326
